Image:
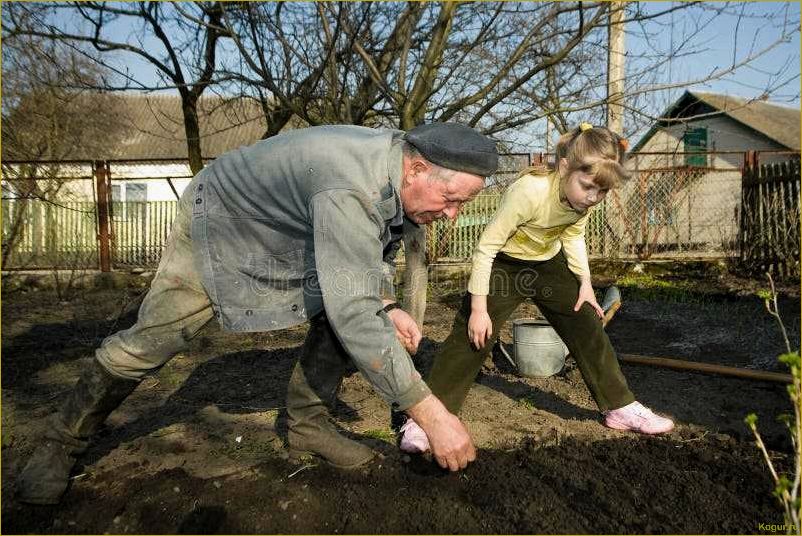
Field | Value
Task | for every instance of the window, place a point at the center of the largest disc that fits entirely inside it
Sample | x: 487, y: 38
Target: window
x: 136, y: 192
x: 695, y: 141
x: 124, y: 193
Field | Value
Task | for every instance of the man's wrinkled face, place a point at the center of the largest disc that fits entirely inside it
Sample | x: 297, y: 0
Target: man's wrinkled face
x: 427, y: 198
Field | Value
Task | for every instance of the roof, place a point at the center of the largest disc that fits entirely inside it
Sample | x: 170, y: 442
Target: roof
x: 779, y: 123
x: 146, y: 126
x: 154, y: 126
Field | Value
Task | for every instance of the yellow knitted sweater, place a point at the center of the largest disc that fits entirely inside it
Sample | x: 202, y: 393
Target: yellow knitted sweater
x: 531, y: 224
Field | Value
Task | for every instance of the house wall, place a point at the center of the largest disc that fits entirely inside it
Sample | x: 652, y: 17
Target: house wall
x: 700, y: 211
x: 79, y: 185
x: 154, y: 176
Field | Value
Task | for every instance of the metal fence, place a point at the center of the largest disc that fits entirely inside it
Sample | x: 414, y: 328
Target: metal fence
x: 677, y: 212
x: 673, y: 211
x: 666, y: 210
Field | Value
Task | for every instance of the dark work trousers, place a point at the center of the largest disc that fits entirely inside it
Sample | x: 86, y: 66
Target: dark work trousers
x: 554, y: 289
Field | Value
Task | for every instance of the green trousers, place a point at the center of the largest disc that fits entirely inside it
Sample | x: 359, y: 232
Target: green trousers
x: 554, y: 289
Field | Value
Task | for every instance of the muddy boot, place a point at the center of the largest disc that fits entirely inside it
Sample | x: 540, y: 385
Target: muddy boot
x: 311, y: 392
x: 46, y: 476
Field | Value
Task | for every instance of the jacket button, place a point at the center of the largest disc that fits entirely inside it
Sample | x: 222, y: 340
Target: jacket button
x: 248, y: 313
x: 294, y: 308
x: 200, y: 187
x: 198, y: 201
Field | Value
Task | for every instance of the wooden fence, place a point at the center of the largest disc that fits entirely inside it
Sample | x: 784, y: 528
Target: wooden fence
x: 139, y: 231
x: 769, y: 225
x: 42, y: 234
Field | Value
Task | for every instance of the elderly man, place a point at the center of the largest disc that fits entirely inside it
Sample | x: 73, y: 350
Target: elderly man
x: 300, y: 226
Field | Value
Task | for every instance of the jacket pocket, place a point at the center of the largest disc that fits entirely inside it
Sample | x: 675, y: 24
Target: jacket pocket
x: 270, y: 273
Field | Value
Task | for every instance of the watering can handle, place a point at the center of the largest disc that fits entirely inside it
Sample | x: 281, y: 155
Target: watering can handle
x: 504, y: 351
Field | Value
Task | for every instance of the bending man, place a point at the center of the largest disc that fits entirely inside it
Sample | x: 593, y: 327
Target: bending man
x: 302, y: 226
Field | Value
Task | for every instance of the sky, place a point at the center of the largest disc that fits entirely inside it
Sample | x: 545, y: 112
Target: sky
x: 728, y: 35
x: 712, y: 50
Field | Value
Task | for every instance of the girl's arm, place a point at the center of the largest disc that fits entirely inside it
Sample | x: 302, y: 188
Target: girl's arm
x: 517, y: 206
x: 576, y: 253
x: 575, y: 249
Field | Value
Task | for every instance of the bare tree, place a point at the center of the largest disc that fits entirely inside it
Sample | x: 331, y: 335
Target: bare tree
x: 501, y: 67
x: 45, y: 122
x: 179, y: 42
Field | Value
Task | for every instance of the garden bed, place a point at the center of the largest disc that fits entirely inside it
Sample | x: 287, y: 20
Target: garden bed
x: 200, y: 447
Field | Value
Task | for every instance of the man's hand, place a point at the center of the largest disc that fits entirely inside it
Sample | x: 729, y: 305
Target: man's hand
x: 449, y: 441
x: 406, y: 329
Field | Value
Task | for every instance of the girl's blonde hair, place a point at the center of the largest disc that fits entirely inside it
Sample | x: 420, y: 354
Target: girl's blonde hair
x: 596, y: 151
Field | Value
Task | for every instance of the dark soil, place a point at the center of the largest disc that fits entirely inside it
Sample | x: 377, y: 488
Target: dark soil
x: 200, y: 446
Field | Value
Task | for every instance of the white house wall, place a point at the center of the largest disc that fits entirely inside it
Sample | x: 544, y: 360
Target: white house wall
x: 79, y: 184
x: 154, y: 176
x: 704, y: 217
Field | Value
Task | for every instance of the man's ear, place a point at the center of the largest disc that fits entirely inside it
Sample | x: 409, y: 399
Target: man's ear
x: 416, y: 167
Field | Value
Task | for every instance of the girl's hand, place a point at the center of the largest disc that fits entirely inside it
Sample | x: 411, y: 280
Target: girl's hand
x: 586, y: 295
x: 480, y: 328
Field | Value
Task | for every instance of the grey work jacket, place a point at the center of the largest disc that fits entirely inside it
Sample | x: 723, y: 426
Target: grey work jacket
x: 304, y: 222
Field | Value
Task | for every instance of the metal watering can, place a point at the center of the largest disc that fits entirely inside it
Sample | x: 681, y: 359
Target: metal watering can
x: 538, y: 352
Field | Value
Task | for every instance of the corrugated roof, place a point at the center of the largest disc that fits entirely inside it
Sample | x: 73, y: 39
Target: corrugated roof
x: 780, y: 123
x: 154, y: 126
x: 775, y: 121
x: 140, y: 126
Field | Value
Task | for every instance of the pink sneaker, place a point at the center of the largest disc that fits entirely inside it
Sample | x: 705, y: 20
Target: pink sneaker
x: 636, y: 417
x: 413, y: 438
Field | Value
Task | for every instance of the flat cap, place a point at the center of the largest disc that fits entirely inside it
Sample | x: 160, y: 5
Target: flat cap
x: 455, y: 146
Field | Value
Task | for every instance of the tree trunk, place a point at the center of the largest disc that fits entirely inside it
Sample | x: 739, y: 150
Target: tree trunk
x: 192, y: 130
x: 416, y: 271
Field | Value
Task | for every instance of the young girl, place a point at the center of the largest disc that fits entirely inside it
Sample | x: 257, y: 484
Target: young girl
x: 535, y: 249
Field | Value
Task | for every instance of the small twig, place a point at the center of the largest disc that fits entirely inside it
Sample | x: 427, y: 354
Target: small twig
x: 704, y: 434
x: 762, y: 447
x: 301, y: 469
x: 775, y: 312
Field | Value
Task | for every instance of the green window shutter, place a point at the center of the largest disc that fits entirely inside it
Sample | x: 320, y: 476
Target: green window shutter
x: 695, y: 140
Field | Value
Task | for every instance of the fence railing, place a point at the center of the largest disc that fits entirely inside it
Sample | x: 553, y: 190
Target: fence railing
x: 769, y: 231
x: 44, y: 234
x: 139, y: 231
x: 662, y: 212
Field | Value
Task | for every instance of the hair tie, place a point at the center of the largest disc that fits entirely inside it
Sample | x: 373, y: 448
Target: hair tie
x: 623, y: 143
x: 585, y: 126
